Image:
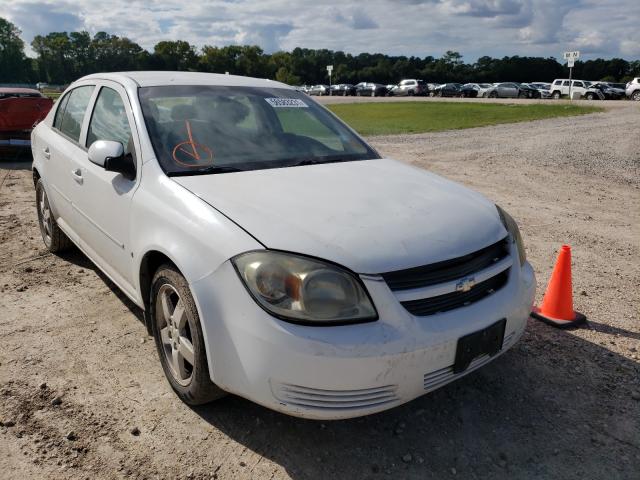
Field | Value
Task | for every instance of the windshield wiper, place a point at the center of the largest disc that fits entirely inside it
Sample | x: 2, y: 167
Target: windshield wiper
x: 212, y: 169
x: 317, y: 161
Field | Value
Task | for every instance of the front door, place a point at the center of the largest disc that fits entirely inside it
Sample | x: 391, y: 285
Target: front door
x: 102, y: 199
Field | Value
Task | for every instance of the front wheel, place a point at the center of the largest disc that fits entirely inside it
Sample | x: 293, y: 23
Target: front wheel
x: 179, y: 340
x: 493, y: 95
x: 556, y: 95
x: 636, y: 96
x: 589, y: 96
x: 54, y: 239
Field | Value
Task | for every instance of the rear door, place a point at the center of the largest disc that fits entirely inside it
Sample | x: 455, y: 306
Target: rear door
x: 578, y: 86
x: 509, y: 90
x: 102, y: 199
x: 60, y: 145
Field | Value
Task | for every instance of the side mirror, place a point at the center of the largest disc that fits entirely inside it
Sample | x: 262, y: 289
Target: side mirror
x: 110, y: 155
x: 100, y: 150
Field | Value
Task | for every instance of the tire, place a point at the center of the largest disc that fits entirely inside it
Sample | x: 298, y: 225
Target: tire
x: 358, y: 94
x: 636, y: 96
x: 493, y: 95
x: 410, y: 94
x: 522, y: 95
x: 589, y: 96
x: 54, y: 239
x: 179, y: 341
x: 556, y: 95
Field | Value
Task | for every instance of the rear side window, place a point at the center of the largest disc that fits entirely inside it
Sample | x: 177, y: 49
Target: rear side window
x: 60, y: 111
x: 565, y: 83
x: 75, y: 110
x: 578, y: 84
x: 109, y: 120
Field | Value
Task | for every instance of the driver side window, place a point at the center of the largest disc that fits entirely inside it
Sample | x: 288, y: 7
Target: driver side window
x: 109, y: 121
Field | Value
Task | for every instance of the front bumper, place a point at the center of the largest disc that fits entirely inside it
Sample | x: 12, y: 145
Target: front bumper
x: 345, y: 371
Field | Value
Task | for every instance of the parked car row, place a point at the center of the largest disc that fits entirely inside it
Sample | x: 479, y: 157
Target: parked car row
x: 362, y: 89
x: 414, y: 87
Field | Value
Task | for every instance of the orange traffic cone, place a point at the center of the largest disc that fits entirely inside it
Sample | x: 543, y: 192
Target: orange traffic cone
x: 557, y: 303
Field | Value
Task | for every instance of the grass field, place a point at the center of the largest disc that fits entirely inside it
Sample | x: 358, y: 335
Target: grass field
x: 52, y: 95
x: 416, y: 117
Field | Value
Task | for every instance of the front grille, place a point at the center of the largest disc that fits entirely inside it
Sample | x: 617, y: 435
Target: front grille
x: 447, y: 270
x: 315, y: 398
x: 449, y: 301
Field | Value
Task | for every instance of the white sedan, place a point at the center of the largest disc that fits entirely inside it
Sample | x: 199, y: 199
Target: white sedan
x: 276, y: 256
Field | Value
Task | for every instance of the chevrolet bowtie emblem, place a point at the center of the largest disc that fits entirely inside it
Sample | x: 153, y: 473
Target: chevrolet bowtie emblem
x: 465, y: 285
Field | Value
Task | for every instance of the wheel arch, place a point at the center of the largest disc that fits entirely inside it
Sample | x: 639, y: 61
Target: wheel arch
x: 149, y: 264
x: 36, y: 175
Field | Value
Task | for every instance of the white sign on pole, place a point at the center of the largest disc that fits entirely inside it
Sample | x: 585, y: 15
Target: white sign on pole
x: 329, y: 70
x: 571, y: 57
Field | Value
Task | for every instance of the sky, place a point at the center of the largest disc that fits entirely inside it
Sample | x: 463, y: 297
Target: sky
x: 397, y: 27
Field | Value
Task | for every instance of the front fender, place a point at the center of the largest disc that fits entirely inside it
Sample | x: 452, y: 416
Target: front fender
x: 167, y: 218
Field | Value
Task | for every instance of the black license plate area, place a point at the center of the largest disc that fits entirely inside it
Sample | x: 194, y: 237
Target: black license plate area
x: 487, y: 341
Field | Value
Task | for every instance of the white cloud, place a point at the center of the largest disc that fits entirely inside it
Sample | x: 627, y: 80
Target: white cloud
x: 604, y: 28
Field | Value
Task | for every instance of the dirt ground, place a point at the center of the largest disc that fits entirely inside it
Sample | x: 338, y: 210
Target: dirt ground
x: 82, y: 393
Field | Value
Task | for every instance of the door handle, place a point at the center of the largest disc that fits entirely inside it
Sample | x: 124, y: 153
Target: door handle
x: 46, y: 153
x: 77, y: 175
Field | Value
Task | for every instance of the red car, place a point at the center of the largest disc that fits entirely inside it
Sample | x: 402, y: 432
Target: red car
x: 20, y: 109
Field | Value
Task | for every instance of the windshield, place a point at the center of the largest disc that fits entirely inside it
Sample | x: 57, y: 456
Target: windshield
x: 211, y: 129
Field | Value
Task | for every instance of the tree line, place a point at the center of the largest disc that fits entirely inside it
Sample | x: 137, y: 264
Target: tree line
x: 62, y: 57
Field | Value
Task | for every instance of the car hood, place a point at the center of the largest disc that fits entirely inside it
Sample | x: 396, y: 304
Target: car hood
x: 371, y: 216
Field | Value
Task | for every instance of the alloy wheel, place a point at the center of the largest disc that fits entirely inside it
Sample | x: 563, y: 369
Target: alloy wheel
x: 45, y: 218
x: 175, y: 334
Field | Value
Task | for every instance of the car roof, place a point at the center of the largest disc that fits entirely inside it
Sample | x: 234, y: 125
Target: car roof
x: 155, y: 79
x: 18, y: 90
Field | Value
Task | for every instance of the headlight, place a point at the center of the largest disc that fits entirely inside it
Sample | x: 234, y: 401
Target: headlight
x: 304, y: 290
x: 512, y: 227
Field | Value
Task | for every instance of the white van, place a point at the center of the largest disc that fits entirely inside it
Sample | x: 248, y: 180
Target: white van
x: 560, y: 87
